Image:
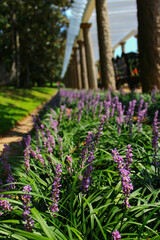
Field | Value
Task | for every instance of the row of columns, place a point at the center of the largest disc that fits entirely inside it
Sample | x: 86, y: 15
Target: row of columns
x: 85, y: 76
x: 81, y: 73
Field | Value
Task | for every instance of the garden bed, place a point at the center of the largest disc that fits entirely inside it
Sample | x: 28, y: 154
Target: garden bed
x: 90, y: 171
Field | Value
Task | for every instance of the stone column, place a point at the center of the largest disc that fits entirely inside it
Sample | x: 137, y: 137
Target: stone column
x: 148, y: 14
x: 77, y: 70
x: 105, y: 46
x: 73, y: 73
x: 83, y: 65
x: 123, y: 46
x: 92, y: 79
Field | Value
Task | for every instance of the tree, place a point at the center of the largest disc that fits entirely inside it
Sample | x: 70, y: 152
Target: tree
x: 37, y: 43
x: 149, y: 43
x: 105, y: 45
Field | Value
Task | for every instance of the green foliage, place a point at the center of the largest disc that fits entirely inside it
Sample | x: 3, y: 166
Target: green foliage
x: 98, y: 212
x: 32, y: 34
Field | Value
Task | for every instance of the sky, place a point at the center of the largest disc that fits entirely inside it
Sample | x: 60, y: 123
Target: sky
x: 130, y: 46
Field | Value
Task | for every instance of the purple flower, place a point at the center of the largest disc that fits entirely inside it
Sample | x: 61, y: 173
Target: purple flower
x: 100, y: 108
x: 5, y: 206
x: 155, y: 137
x: 27, y: 153
x: 155, y: 90
x: 54, y: 125
x: 94, y: 104
x: 129, y: 156
x: 120, y: 116
x: 6, y: 167
x: 69, y: 164
x: 124, y: 173
x: 80, y: 108
x: 61, y: 113
x: 50, y: 139
x: 107, y: 109
x: 140, y: 106
x: 129, y: 116
x: 141, y: 114
x: 116, y: 235
x: 55, y: 190
x: 100, y: 129
x: 140, y: 118
x: 84, y: 152
x: 113, y: 110
x: 86, y: 179
x: 26, y: 199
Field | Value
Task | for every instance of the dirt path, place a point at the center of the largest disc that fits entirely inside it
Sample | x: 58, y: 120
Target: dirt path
x: 22, y: 128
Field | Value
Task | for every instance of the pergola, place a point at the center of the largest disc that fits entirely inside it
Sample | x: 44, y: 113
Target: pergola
x: 97, y: 28
x: 123, y: 25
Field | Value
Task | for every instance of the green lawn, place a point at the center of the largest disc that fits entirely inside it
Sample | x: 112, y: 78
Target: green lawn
x: 15, y: 104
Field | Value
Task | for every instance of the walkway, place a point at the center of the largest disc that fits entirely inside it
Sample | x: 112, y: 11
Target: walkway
x: 23, y: 128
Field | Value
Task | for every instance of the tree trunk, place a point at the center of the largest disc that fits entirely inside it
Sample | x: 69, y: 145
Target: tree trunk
x: 149, y: 42
x: 105, y: 45
x: 15, y: 47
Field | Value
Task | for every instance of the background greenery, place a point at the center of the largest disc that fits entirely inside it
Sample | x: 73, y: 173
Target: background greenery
x: 32, y: 35
x: 97, y: 213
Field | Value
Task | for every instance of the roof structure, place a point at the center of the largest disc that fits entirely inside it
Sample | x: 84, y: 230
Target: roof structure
x: 123, y: 24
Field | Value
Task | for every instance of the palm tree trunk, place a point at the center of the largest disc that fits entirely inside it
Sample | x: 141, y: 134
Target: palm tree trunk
x: 105, y: 45
x: 149, y: 42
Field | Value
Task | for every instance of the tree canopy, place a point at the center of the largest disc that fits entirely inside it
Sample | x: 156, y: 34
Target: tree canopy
x: 32, y: 36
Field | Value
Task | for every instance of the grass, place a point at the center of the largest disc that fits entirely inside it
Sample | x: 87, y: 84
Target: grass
x: 15, y: 104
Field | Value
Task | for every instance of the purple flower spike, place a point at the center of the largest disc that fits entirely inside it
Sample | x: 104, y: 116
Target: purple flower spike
x: 116, y: 235
x: 80, y: 108
x: 120, y: 116
x: 69, y: 164
x: 5, y: 206
x: 129, y: 156
x: 26, y: 198
x: 85, y: 151
x: 100, y: 128
x: 27, y: 153
x: 6, y: 167
x: 129, y: 116
x: 155, y: 138
x: 88, y: 172
x: 55, y: 190
x: 124, y: 173
x: 100, y: 108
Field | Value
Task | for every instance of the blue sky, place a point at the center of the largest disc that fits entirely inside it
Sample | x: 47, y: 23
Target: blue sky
x: 130, y: 46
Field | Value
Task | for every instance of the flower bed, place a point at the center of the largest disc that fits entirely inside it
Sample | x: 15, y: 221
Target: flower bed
x: 90, y: 171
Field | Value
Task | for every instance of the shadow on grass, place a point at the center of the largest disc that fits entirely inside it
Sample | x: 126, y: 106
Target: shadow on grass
x: 16, y: 154
x: 24, y: 93
x: 7, y: 113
